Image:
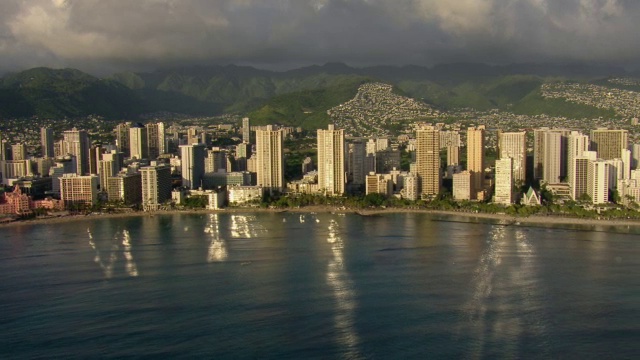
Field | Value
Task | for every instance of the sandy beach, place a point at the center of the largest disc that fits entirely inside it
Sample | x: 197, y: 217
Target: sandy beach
x: 439, y: 215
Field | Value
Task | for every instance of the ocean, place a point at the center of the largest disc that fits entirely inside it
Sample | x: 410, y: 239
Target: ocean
x: 326, y: 286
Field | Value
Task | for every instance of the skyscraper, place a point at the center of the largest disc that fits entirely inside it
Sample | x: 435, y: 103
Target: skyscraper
x: 109, y: 165
x: 550, y: 150
x: 475, y: 157
x: 504, y: 181
x: 356, y: 162
x: 553, y: 156
x: 598, y: 181
x: 138, y: 142
x: 156, y: 185
x: 76, y: 143
x: 514, y: 145
x: 608, y: 143
x: 122, y: 138
x: 155, y: 139
x: 579, y: 182
x: 577, y: 144
x: 46, y: 140
x: 192, y: 158
x: 331, y: 164
x: 428, y: 160
x: 246, y: 131
x: 538, y: 152
x: 270, y: 159
x: 243, y: 152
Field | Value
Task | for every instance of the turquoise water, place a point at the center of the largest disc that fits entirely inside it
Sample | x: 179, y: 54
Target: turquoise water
x: 296, y: 286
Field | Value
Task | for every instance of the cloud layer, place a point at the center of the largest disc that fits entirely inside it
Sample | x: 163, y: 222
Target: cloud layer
x: 104, y: 36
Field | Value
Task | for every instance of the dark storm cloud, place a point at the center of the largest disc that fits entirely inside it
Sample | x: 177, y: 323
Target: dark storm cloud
x: 105, y: 36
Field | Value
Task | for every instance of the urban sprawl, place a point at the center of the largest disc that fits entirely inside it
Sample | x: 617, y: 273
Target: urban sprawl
x: 482, y: 160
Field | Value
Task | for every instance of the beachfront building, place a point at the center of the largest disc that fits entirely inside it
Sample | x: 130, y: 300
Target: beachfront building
x: 579, y: 181
x: 357, y: 154
x: 428, y: 160
x: 463, y: 186
x: 244, y: 194
x: 270, y: 159
x: 78, y: 190
x: 379, y: 184
x: 331, y: 163
x: 125, y: 187
x: 475, y: 157
x: 156, y: 186
x: 598, y: 181
x: 504, y: 181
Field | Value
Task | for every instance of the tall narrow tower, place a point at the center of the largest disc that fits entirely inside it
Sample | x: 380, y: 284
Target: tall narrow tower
x: 270, y: 159
x: 138, y: 142
x: 155, y: 139
x: 246, y: 131
x: 46, y: 140
x: 428, y: 160
x: 577, y: 144
x: 122, y: 138
x: 475, y: 157
x: 331, y: 164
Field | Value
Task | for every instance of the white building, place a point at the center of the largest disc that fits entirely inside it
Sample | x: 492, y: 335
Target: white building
x: 270, y: 159
x: 504, y: 181
x: 598, y: 181
x: 156, y: 185
x: 331, y: 164
x: 79, y: 190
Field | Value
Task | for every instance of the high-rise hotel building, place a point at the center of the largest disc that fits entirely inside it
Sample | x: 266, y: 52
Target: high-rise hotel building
x: 46, y: 140
x: 156, y: 185
x: 504, y: 181
x: 192, y: 165
x: 138, y: 142
x: 246, y: 131
x: 609, y: 143
x: 514, y: 145
x: 577, y: 144
x: 475, y: 157
x: 78, y: 190
x: 331, y: 164
x: 76, y: 143
x: 270, y: 159
x: 428, y: 160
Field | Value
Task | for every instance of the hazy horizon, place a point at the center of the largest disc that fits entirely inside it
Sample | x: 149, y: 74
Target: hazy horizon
x: 104, y: 37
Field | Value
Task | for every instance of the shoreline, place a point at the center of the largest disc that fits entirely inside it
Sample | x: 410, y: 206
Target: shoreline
x: 532, y: 220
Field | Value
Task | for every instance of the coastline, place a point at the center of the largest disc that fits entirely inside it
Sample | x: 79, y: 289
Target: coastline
x: 533, y: 220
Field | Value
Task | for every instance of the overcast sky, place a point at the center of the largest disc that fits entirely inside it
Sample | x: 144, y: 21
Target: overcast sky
x: 104, y: 36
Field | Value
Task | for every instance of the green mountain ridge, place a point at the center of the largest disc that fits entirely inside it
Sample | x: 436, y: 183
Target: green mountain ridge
x: 298, y: 97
